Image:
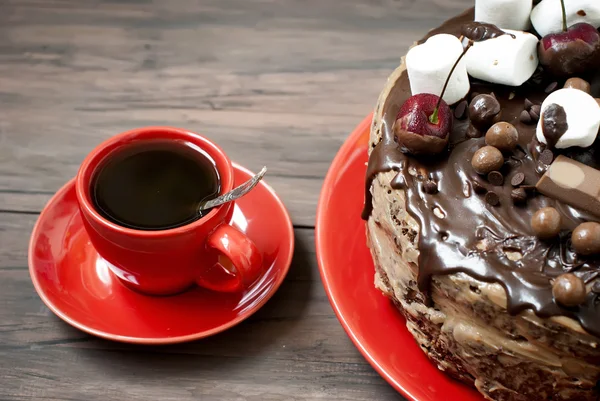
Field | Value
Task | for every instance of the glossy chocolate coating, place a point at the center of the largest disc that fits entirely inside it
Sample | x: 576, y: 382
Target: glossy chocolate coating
x: 449, y: 245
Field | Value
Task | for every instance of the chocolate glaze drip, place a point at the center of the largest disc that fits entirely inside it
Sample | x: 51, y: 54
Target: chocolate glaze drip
x: 479, y: 31
x: 554, y: 124
x: 478, y: 239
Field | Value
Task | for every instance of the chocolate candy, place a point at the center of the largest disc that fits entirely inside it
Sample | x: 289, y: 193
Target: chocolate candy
x: 569, y: 290
x: 492, y: 198
x: 518, y: 195
x: 487, y: 159
x: 546, y: 157
x: 503, y: 136
x: 495, y: 178
x: 517, y: 179
x: 546, y: 223
x: 525, y: 118
x: 586, y: 238
x: 578, y: 83
x: 484, y: 111
x: 573, y: 183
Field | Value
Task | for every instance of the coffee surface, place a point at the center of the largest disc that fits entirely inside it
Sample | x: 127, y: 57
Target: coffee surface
x: 154, y: 185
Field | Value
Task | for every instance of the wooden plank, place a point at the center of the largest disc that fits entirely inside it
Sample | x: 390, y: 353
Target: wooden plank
x: 74, y: 73
x: 294, y: 347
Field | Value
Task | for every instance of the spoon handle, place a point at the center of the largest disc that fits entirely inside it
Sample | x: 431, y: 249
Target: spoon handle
x: 234, y: 193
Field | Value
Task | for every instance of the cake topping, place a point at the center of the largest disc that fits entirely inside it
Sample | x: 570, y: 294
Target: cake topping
x: 569, y: 117
x: 546, y: 223
x: 517, y: 179
x: 578, y: 83
x: 573, y: 183
x: 509, y: 14
x: 503, y: 136
x: 518, y: 195
x: 487, y: 159
x: 569, y: 290
x: 507, y: 59
x: 586, y: 238
x: 484, y: 111
x: 479, y: 31
x: 503, y: 224
x: 429, y: 64
x: 554, y: 124
x: 547, y: 16
x: 495, y: 178
x: 492, y: 198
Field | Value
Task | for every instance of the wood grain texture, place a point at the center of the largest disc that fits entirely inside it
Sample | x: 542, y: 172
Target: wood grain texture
x: 275, y: 82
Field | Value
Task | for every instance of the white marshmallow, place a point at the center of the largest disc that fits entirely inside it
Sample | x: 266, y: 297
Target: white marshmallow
x: 506, y: 14
x: 546, y: 17
x: 583, y: 118
x: 429, y: 64
x: 504, y: 60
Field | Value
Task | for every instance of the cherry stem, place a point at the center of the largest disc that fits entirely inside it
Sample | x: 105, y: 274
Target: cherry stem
x: 564, y: 15
x: 434, y: 117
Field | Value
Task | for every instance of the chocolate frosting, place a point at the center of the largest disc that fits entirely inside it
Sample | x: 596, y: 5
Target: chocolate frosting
x: 479, y: 31
x: 554, y: 123
x: 476, y: 238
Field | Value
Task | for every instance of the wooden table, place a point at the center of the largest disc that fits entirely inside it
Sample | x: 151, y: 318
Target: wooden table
x: 275, y: 82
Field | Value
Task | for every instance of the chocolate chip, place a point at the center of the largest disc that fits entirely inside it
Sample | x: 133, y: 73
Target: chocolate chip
x: 569, y: 290
x: 596, y: 287
x: 495, y: 178
x: 460, y: 110
x: 473, y: 132
x: 545, y: 223
x: 547, y: 157
x: 586, y: 238
x: 550, y: 88
x: 581, y: 13
x: 524, y: 117
x: 492, y: 198
x: 527, y: 105
x: 430, y: 187
x: 487, y: 159
x: 478, y: 187
x: 518, y: 195
x: 473, y: 95
x: 534, y: 112
x: 517, y: 179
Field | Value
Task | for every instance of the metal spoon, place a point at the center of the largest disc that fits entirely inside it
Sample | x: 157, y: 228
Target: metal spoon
x: 234, y: 193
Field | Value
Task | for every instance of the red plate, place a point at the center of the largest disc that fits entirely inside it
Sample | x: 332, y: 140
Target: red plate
x: 75, y: 283
x: 371, y: 320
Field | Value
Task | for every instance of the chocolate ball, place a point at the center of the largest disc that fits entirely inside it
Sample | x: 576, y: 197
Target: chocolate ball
x: 569, y: 290
x: 503, y: 136
x: 586, y: 238
x: 546, y: 223
x: 484, y: 111
x: 487, y: 159
x: 578, y: 83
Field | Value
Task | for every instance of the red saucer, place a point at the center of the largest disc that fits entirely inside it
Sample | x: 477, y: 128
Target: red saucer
x: 370, y: 319
x: 79, y: 288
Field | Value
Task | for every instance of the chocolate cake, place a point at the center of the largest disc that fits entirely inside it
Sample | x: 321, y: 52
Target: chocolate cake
x: 489, y: 244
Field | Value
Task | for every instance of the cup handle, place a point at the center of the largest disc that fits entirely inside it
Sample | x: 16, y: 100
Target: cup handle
x: 242, y: 266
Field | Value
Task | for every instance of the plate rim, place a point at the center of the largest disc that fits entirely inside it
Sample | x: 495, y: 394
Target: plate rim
x: 167, y: 340
x: 328, y: 184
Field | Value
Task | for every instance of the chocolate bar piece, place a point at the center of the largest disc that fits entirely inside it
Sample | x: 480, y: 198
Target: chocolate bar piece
x: 573, y: 183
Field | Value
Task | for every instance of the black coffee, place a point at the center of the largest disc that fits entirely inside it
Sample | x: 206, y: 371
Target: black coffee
x: 155, y: 185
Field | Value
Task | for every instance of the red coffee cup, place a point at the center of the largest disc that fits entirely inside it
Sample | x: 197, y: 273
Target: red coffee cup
x: 209, y: 252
